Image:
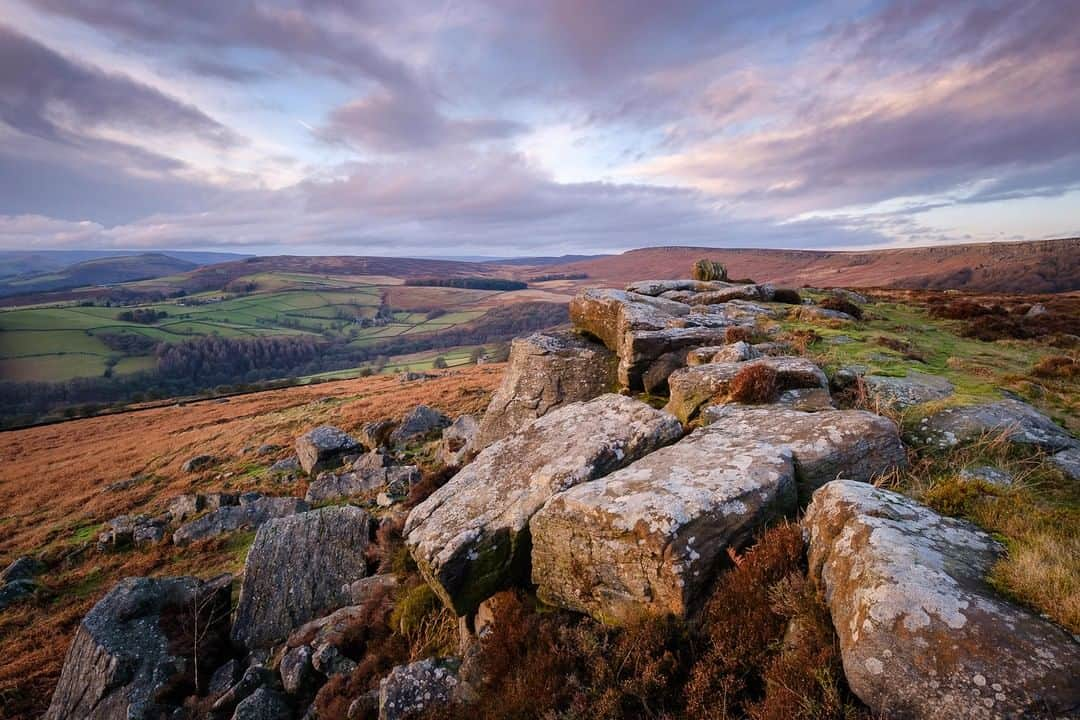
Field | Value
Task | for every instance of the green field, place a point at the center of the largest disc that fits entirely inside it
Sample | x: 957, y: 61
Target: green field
x: 60, y: 342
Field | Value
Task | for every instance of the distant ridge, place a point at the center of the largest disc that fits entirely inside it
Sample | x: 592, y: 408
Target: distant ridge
x: 97, y: 271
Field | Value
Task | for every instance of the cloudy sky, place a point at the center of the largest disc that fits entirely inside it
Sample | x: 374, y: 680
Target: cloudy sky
x: 517, y: 127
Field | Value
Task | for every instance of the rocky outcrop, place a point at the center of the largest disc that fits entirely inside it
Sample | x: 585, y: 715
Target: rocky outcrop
x: 329, y: 486
x: 322, y: 448
x: 900, y: 393
x: 1017, y: 421
x: 470, y: 537
x: 547, y: 370
x: 185, y: 507
x: 410, y: 689
x: 252, y: 511
x: 17, y: 580
x: 127, y: 530
x: 849, y: 444
x: 197, y: 463
x: 421, y: 423
x: 376, y: 434
x: 263, y: 704
x: 296, y: 568
x: 651, y: 535
x: 922, y: 634
x: 131, y: 656
x: 459, y: 441
x: 1068, y: 462
x: 694, y: 387
x: 740, y: 351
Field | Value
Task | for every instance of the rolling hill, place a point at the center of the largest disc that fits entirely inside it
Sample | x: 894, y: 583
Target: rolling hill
x: 98, y: 271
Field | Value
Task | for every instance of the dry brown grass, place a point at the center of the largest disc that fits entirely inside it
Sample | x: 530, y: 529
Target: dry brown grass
x: 755, y: 384
x: 1057, y: 366
x: 54, y: 477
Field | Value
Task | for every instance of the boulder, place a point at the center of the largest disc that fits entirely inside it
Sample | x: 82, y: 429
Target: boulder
x: 470, y: 536
x: 849, y: 444
x: 740, y: 351
x: 310, y: 556
x: 286, y: 466
x: 547, y: 370
x: 458, y: 441
x: 655, y: 288
x: 126, y: 530
x: 374, y: 435
x: 298, y: 675
x: 735, y: 292
x: 1068, y: 462
x: 1019, y: 422
x: 128, y: 657
x: 421, y: 423
x: 922, y: 634
x: 813, y: 313
x: 650, y: 536
x: 362, y: 590
x: 330, y: 486
x: 263, y: 704
x: 655, y: 379
x: 410, y: 689
x: 371, y: 460
x: 197, y: 463
x: 321, y: 449
x: 900, y: 393
x: 987, y: 474
x: 694, y: 387
x: 17, y: 580
x: 249, y: 515
x: 806, y: 399
x: 252, y: 679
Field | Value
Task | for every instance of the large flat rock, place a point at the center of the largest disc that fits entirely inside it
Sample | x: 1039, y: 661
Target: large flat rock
x: 470, y: 538
x: 922, y: 634
x: 547, y: 370
x: 826, y: 445
x: 649, y: 537
x: 694, y: 387
x: 1019, y: 422
x: 913, y: 389
x: 298, y: 567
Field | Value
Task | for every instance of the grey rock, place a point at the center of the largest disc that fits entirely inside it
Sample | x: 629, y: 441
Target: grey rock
x: 458, y: 440
x: 1036, y: 310
x: 806, y: 399
x: 421, y: 423
x: 231, y: 518
x: 850, y: 296
x: 285, y: 466
x: 655, y: 288
x: 254, y: 677
x: 903, y: 392
x: 121, y: 663
x: 1068, y: 462
x: 1017, y: 421
x: 15, y: 591
x: 322, y: 448
x: 311, y: 554
x: 263, y: 704
x: 374, y: 435
x: 850, y: 444
x: 655, y: 379
x: 468, y: 536
x: 813, y: 313
x: 223, y: 678
x: 922, y: 634
x: 127, y: 530
x: 987, y: 474
x: 371, y: 460
x: 298, y: 675
x: 197, y: 463
x: 329, y: 486
x: 21, y: 568
x: 410, y: 689
x: 546, y: 370
x: 411, y: 376
x: 329, y: 661
x: 649, y: 537
x: 740, y: 351
x: 360, y: 591
x: 267, y: 449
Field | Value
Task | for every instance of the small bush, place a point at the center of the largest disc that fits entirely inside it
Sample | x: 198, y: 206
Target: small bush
x: 1057, y: 366
x: 755, y: 384
x: 787, y: 296
x: 706, y: 270
x: 839, y: 304
x: 737, y: 333
x: 801, y: 340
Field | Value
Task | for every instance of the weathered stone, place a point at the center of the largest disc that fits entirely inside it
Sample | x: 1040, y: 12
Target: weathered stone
x: 694, y: 387
x: 813, y: 313
x: 122, y: 662
x: 547, y: 370
x: 321, y: 449
x: 267, y: 449
x: 298, y: 675
x: 197, y: 463
x: 329, y: 661
x: 410, y: 689
x: 1017, y: 421
x: 922, y: 634
x: 15, y: 590
x: 470, y: 537
x: 330, y: 486
x: 21, y: 568
x: 126, y: 530
x: 849, y: 444
x: 311, y: 555
x: 230, y: 518
x: 223, y: 678
x: 806, y: 399
x: 372, y: 460
x: 1036, y: 310
x: 987, y: 474
x: 360, y: 591
x: 649, y: 536
x: 374, y: 435
x: 850, y: 296
x: 254, y: 677
x: 740, y: 351
x: 286, y: 466
x: 458, y: 441
x: 421, y: 423
x: 655, y: 378
x: 149, y: 533
x: 736, y: 292
x: 1068, y: 462
x: 263, y: 704
x: 900, y: 393
x: 656, y: 288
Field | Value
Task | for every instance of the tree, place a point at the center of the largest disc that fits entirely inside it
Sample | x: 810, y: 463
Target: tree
x: 439, y: 363
x: 476, y: 355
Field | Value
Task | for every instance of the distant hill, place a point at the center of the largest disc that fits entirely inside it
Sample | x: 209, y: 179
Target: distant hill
x: 99, y: 271
x: 1043, y: 266
x: 19, y: 262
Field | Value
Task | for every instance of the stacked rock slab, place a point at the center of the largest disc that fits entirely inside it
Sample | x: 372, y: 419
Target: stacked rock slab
x: 826, y: 445
x: 470, y: 538
x: 922, y: 635
x: 123, y: 661
x: 649, y: 537
x: 297, y: 567
x: 693, y: 387
x: 546, y: 371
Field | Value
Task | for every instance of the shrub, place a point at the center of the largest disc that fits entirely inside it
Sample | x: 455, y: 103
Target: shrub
x: 706, y: 270
x: 839, y: 304
x: 1057, y: 366
x: 439, y: 363
x: 787, y: 296
x: 755, y: 384
x: 801, y: 340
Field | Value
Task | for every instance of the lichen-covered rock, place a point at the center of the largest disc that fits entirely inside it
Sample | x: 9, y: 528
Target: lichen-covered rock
x: 806, y: 399
x: 322, y: 448
x: 263, y: 704
x: 126, y: 659
x: 360, y: 591
x: 296, y: 568
x: 459, y: 441
x: 470, y: 537
x: 654, y: 381
x: 900, y: 393
x: 849, y: 444
x: 197, y: 463
x: 374, y: 435
x: 17, y: 580
x: 185, y: 507
x: 1019, y: 422
x: 126, y: 530
x: 813, y: 313
x: 1068, y: 462
x: 655, y: 288
x: 547, y: 370
x: 252, y: 679
x: 735, y: 292
x: 330, y: 486
x: 987, y: 474
x: 421, y: 423
x: 740, y: 351
x: 649, y: 536
x: 248, y: 515
x: 410, y: 689
x: 922, y: 634
x: 694, y: 387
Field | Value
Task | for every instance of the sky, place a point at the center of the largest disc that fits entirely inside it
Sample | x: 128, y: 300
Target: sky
x: 529, y: 127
